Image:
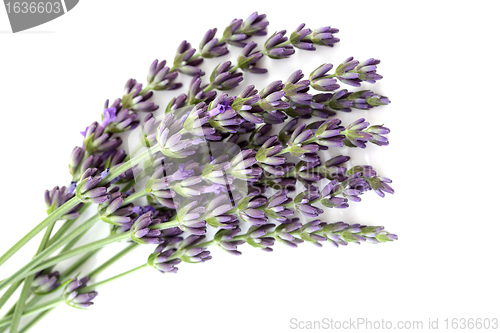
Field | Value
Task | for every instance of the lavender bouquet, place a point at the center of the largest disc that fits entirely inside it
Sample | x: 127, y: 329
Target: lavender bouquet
x: 213, y: 170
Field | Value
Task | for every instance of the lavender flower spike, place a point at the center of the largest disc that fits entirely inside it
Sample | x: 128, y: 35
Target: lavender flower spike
x: 87, y: 190
x: 238, y: 30
x: 300, y: 38
x: 161, y: 77
x: 140, y: 232
x: 162, y: 260
x: 276, y: 46
x: 170, y: 140
x: 324, y: 36
x: 56, y: 198
x: 322, y: 82
x: 189, y: 252
x: 76, y: 299
x: 210, y: 47
x: 247, y: 61
x: 190, y: 219
x: 268, y: 156
x: 45, y: 283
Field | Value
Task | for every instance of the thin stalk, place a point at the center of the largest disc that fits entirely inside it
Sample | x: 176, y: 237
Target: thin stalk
x: 78, y: 264
x: 12, y: 289
x: 26, y: 291
x: 79, y: 250
x: 66, y: 225
x: 166, y: 225
x: 42, y: 307
x: 134, y: 196
x: 56, y: 214
x: 25, y: 270
x: 112, y: 260
x: 103, y: 282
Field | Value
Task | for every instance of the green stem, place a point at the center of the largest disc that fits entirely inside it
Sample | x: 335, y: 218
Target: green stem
x: 35, y: 320
x: 24, y: 271
x: 134, y: 196
x: 208, y: 88
x: 79, y: 250
x: 166, y: 225
x: 98, y: 284
x: 18, y: 312
x: 48, y: 220
x: 66, y: 225
x: 42, y: 307
x: 112, y: 260
x: 115, y: 172
x: 77, y: 264
x: 12, y: 289
x: 26, y: 291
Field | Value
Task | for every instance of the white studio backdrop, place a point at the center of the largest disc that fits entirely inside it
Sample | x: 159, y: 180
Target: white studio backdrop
x: 439, y: 68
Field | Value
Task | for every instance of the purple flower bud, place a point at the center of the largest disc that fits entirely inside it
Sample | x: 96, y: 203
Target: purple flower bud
x: 76, y: 299
x: 276, y: 48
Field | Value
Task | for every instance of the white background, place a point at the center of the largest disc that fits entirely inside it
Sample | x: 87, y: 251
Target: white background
x: 440, y: 68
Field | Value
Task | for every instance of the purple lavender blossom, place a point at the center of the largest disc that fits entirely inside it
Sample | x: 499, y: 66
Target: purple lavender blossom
x: 184, y: 61
x: 75, y: 159
x: 247, y: 60
x: 322, y: 82
x: 324, y: 36
x: 125, y: 120
x: 162, y: 260
x: 276, y: 47
x: 377, y: 133
x: 191, y: 218
x: 109, y: 115
x: 217, y: 214
x: 134, y: 100
x: 224, y: 239
x: 299, y: 38
x: 271, y: 99
x: 97, y: 140
x: 140, y: 232
x: 276, y: 206
x: 243, y: 105
x: 191, y: 253
x: 352, y: 72
x: 256, y: 237
x: 76, y: 299
x: 196, y: 93
x: 170, y: 140
x: 283, y: 234
x: 56, y: 198
x: 88, y: 190
x: 161, y: 77
x: 223, y: 77
x: 355, y: 136
x: 250, y: 209
x: 238, y: 30
x: 296, y: 90
x: 210, y: 47
x: 147, y: 137
x: 45, y: 283
x: 269, y: 159
x: 113, y: 212
x: 243, y: 166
